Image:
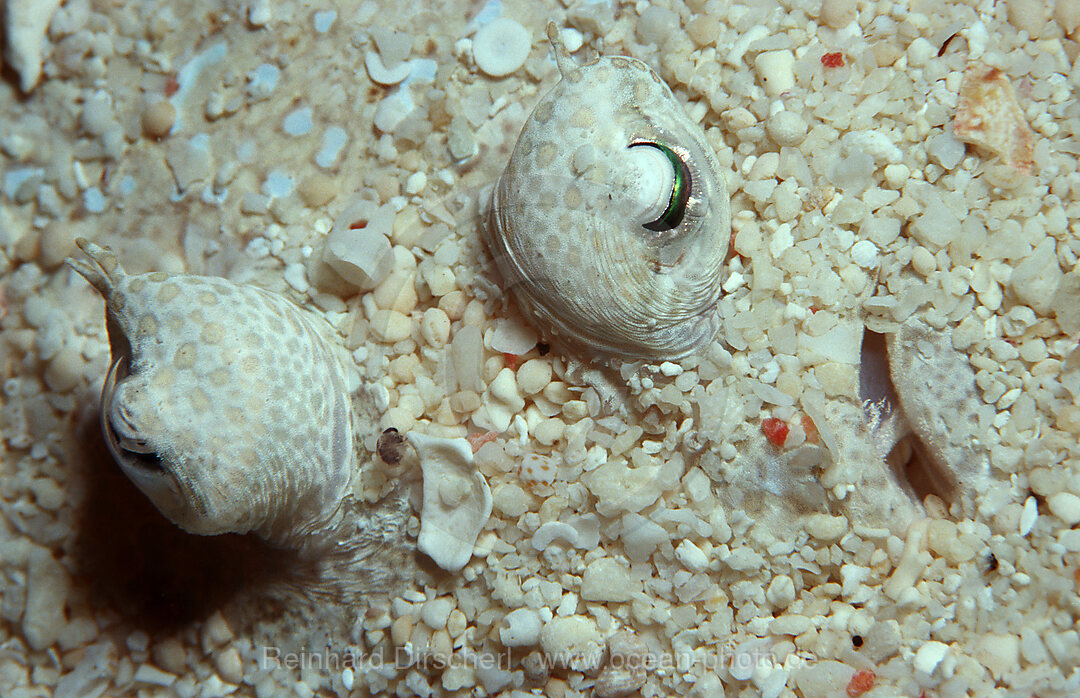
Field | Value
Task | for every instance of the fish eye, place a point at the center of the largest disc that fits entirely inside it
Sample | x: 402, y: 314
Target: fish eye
x: 129, y: 449
x: 134, y: 451
x: 681, y: 184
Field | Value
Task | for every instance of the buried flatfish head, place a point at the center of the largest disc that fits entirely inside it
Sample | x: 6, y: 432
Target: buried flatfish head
x: 611, y: 221
x: 224, y: 404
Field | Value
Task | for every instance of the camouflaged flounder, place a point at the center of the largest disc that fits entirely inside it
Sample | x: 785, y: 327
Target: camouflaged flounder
x: 224, y: 403
x: 611, y: 222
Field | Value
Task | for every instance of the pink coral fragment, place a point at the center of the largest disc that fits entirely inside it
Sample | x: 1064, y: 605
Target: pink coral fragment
x: 478, y: 440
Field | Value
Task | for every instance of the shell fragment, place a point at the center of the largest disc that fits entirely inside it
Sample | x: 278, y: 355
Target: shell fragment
x: 988, y: 116
x: 456, y: 500
x: 501, y: 47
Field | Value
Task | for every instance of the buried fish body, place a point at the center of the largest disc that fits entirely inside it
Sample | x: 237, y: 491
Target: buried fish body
x: 224, y: 404
x: 610, y: 223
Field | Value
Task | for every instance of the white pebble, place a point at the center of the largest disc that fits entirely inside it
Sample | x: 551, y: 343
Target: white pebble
x: 333, y: 140
x: 278, y: 184
x: 608, y: 581
x: 786, y: 128
x: 656, y: 24
x: 323, y: 21
x: 745, y: 659
x: 456, y: 500
x: 298, y: 122
x: 93, y: 200
x: 533, y: 376
x: 415, y: 183
x: 691, y: 556
x: 838, y: 13
x: 392, y: 109
x: 520, y: 628
x: 734, y: 281
x: 512, y: 337
x: 363, y: 256
x: 781, y: 591
x: 775, y: 70
x: 825, y: 527
x: 390, y: 326
x: 259, y: 14
x: 501, y: 47
x: 896, y: 175
x: 46, y: 595
x: 501, y: 402
x: 670, y: 369
x: 230, y: 666
x: 296, y: 276
x: 150, y: 674
x: 865, y: 254
x: 574, y: 642
x: 1065, y: 506
x: 436, y: 612
x: 920, y: 51
x: 946, y: 149
x: 552, y: 531
x: 263, y: 80
x: 435, y: 327
x: 571, y: 38
x: 929, y: 656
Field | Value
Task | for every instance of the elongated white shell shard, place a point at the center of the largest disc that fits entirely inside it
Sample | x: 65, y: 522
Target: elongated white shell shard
x: 26, y: 23
x: 225, y: 405
x: 611, y: 222
x: 456, y: 500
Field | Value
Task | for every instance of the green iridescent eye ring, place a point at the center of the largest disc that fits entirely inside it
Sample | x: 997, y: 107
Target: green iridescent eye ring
x: 680, y: 190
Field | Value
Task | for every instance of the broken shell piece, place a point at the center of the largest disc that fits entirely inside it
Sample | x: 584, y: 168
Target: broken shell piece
x: 358, y: 246
x: 456, y: 500
x: 580, y: 532
x: 535, y: 469
x: 513, y: 337
x: 988, y: 116
x: 501, y: 47
x: 624, y: 671
x: 573, y: 642
x: 379, y: 73
x: 26, y: 23
x: 502, y: 401
x: 553, y: 531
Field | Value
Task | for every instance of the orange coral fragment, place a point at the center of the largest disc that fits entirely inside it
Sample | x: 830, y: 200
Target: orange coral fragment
x: 861, y: 682
x: 988, y: 116
x: 833, y: 60
x: 477, y: 441
x: 811, y: 430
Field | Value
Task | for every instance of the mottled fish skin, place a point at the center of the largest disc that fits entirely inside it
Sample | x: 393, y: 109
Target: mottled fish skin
x: 937, y: 389
x: 562, y: 226
x: 234, y: 395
